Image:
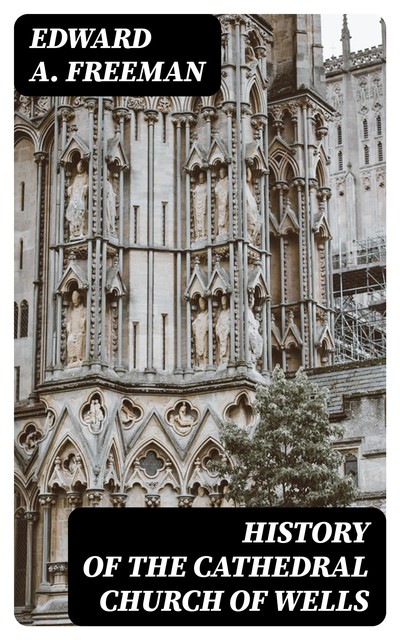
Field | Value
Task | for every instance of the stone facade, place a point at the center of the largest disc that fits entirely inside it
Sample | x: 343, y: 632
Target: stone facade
x: 356, y: 85
x: 169, y: 252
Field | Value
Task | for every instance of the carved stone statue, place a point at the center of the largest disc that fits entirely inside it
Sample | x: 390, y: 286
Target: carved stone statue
x: 255, y: 338
x: 94, y: 416
x: 77, y: 203
x: 111, y: 207
x: 183, y: 421
x: 200, y: 207
x: 200, y: 333
x: 76, y: 331
x: 221, y: 201
x: 223, y: 330
x: 253, y: 216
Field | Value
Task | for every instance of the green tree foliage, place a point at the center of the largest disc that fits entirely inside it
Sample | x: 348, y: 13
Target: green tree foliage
x: 288, y: 460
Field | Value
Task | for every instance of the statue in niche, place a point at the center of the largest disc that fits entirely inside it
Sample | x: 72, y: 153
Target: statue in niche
x: 255, y: 338
x: 183, y: 421
x: 253, y: 216
x: 77, y: 203
x: 94, y: 416
x: 200, y: 207
x: 76, y: 331
x: 111, y: 207
x: 223, y: 330
x: 200, y: 333
x: 221, y: 201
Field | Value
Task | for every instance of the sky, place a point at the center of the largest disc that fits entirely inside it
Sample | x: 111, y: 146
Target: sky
x: 365, y: 31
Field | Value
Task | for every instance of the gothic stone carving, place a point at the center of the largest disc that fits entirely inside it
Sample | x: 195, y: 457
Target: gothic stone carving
x: 76, y: 331
x: 200, y: 333
x: 77, y: 203
x: 182, y: 417
x: 221, y: 201
x: 223, y: 330
x: 200, y: 207
x: 93, y: 414
x: 130, y: 413
x: 255, y: 338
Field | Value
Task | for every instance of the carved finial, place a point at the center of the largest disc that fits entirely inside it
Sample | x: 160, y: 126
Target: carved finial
x: 345, y: 41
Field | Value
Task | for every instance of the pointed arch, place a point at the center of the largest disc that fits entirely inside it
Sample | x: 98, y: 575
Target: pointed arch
x: 142, y: 449
x: 198, y: 475
x: 256, y: 98
x: 321, y: 174
x: 63, y: 471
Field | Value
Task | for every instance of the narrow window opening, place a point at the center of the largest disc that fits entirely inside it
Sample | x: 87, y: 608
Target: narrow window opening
x: 164, y: 127
x: 340, y: 161
x: 351, y: 467
x: 17, y: 382
x: 365, y: 128
x: 134, y: 341
x: 22, y: 196
x: 21, y: 253
x: 135, y: 223
x: 339, y: 135
x: 164, y: 340
x: 24, y: 319
x: 164, y: 223
x: 136, y: 125
x: 380, y: 152
x: 16, y: 315
x: 378, y: 125
x: 366, y: 154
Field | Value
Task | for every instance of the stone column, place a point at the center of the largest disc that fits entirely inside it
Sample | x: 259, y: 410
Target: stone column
x: 120, y: 115
x: 151, y: 117
x: 31, y: 517
x: 46, y: 501
x: 299, y: 184
x: 90, y: 104
x: 189, y: 119
x: 260, y: 122
x: 229, y: 110
x: 53, y: 236
x: 66, y: 112
x: 41, y: 159
x: 177, y: 120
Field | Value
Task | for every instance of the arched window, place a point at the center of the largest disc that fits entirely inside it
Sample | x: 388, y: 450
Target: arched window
x: 24, y: 319
x: 351, y: 467
x: 16, y: 315
x: 378, y: 125
x: 365, y: 128
x: 366, y: 154
x: 340, y: 161
x: 380, y: 152
x: 339, y: 134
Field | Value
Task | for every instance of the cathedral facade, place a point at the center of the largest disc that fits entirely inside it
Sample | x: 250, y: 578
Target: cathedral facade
x: 169, y: 253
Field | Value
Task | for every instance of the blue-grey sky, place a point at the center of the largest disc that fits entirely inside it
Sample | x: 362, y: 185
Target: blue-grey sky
x: 365, y: 31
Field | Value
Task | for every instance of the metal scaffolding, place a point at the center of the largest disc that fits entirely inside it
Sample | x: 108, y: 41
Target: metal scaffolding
x: 359, y: 289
